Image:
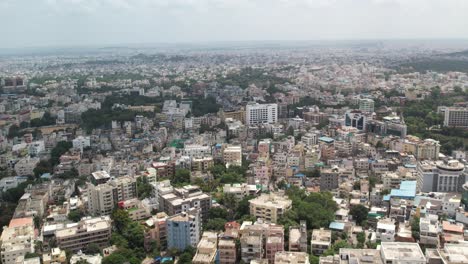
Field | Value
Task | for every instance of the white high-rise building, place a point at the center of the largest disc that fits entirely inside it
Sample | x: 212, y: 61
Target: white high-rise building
x: 261, y: 113
x: 454, y: 116
x: 366, y: 105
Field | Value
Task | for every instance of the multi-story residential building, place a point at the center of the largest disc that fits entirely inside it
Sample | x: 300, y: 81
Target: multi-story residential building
x: 269, y: 207
x: 17, y: 240
x: 227, y: 248
x: 298, y: 238
x: 329, y: 179
x: 274, y: 241
x: 454, y: 116
x: 351, y: 255
x: 100, y: 177
x: 429, y: 230
x: 421, y: 149
x: 261, y: 113
x: 103, y: 198
x: 232, y: 155
x: 449, y: 254
x: 81, y: 142
x: 196, y: 151
x: 252, y: 241
x: 156, y: 231
x: 202, y: 164
x: 320, y: 241
x: 136, y: 210
x: 88, y: 231
x: 400, y: 252
x: 184, y: 229
x: 182, y: 199
x: 207, y: 249
x: 240, y: 190
x: 288, y: 257
x: 25, y: 166
x: 385, y: 230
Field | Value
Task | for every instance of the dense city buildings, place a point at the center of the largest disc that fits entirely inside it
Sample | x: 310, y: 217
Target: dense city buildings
x: 321, y: 154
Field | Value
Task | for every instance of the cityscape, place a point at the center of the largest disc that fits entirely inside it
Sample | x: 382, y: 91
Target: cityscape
x: 288, y: 151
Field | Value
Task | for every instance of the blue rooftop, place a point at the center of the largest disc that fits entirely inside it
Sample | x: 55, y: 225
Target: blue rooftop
x: 407, y: 190
x: 336, y: 226
x: 300, y: 175
x: 326, y: 139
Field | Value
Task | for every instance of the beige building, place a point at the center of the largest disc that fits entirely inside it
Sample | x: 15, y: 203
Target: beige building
x: 88, y: 231
x: 232, y: 155
x: 320, y: 241
x: 206, y: 249
x: 270, y: 207
x: 288, y: 257
x: 17, y: 239
x: 56, y: 255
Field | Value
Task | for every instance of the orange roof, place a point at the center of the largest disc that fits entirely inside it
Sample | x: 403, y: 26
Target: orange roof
x: 15, y: 222
x: 447, y: 226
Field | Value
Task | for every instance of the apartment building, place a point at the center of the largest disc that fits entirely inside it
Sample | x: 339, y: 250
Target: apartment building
x: 366, y: 105
x: 207, y: 249
x: 17, y: 239
x: 288, y: 257
x: 320, y: 241
x: 183, y: 199
x: 232, y: 155
x: 88, y: 231
x: 261, y: 113
x: 103, y: 198
x: 252, y: 241
x: 298, y: 238
x: 156, y: 231
x: 274, y: 241
x: 202, y: 164
x: 269, y: 207
x: 184, y: 229
x: 386, y: 230
x: 329, y: 179
x: 25, y: 166
x: 429, y: 230
x: 228, y: 251
x: 240, y: 190
x: 135, y: 208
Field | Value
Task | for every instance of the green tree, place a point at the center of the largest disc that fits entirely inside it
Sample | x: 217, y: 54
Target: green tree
x: 217, y: 212
x: 215, y: 224
x: 92, y: 249
x: 359, y: 213
x: 75, y: 215
x: 181, y: 177
x: 121, y: 219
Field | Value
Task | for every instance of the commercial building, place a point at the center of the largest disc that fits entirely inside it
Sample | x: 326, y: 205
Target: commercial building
x: 455, y: 116
x: 88, y: 231
x: 357, y: 119
x: 441, y: 176
x: 261, y: 113
x: 184, y: 229
x: 366, y: 105
x: 269, y: 207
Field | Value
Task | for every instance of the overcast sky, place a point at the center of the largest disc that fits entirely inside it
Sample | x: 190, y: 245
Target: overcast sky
x: 32, y: 23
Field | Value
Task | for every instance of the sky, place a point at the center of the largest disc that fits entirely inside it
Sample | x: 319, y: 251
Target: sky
x: 58, y: 23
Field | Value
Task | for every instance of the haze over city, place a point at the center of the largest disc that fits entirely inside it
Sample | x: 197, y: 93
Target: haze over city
x: 32, y: 23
